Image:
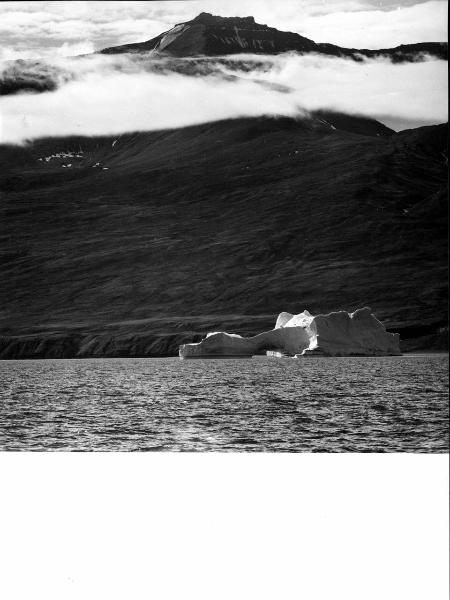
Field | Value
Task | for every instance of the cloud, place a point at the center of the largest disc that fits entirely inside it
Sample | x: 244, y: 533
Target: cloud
x: 352, y: 23
x: 116, y: 94
x: 65, y: 49
x: 381, y: 29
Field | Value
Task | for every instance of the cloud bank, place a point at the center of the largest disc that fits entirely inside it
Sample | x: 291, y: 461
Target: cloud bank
x: 105, y: 95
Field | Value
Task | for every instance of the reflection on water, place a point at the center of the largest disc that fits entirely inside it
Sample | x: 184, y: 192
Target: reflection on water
x: 393, y: 404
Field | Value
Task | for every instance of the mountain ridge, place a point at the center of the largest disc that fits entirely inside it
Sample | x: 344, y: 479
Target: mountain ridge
x: 211, y: 35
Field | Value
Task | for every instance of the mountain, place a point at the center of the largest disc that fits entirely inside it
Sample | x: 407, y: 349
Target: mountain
x: 188, y: 48
x: 210, y: 35
x: 130, y: 245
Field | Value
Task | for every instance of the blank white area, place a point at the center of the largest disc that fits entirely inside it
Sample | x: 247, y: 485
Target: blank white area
x: 221, y: 527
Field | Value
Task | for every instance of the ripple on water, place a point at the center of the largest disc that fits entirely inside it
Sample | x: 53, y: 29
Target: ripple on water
x: 394, y: 404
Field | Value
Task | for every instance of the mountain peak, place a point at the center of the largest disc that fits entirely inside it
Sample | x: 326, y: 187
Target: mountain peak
x: 208, y: 18
x: 213, y: 35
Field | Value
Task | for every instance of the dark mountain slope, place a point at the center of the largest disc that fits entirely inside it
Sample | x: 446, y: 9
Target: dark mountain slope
x: 211, y: 35
x: 221, y: 225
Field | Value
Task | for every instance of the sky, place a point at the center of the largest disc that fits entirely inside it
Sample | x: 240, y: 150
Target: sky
x: 32, y: 29
x: 104, y: 95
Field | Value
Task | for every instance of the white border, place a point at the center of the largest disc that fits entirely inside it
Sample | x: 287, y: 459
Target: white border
x: 223, y: 526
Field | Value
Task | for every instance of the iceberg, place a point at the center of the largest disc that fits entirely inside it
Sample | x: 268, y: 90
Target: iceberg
x: 335, y: 334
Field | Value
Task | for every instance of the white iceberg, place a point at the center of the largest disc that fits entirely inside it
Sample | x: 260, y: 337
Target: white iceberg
x: 336, y: 334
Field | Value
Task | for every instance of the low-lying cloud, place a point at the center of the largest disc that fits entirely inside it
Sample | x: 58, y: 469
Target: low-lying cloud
x: 102, y: 95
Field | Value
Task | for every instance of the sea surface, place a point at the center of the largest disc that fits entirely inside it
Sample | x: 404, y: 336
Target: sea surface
x: 393, y: 404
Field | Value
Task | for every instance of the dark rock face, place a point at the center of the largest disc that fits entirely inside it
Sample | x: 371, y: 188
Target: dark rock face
x: 215, y: 36
x: 211, y: 35
x: 209, y: 19
x: 220, y: 227
x: 89, y: 346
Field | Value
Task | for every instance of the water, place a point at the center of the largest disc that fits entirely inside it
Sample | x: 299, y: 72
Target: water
x: 393, y: 404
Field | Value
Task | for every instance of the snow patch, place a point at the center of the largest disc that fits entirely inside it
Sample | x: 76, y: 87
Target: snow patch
x: 60, y: 155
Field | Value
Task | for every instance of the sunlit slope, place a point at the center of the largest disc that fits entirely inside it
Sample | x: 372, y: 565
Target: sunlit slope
x: 222, y: 225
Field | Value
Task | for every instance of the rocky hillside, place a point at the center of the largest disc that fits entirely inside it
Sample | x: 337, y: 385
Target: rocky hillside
x: 130, y: 245
x: 211, y: 35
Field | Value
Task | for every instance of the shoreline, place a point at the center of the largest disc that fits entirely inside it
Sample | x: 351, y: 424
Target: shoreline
x: 164, y: 341
x: 417, y: 354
